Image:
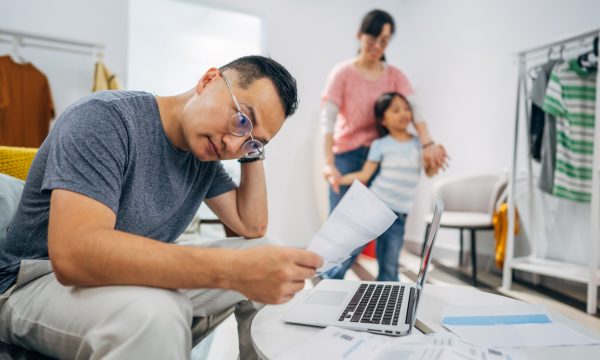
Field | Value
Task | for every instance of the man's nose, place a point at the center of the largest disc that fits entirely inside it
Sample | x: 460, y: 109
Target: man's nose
x: 234, y: 143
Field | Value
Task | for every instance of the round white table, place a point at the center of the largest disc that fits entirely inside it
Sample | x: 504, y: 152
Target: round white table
x: 271, y: 336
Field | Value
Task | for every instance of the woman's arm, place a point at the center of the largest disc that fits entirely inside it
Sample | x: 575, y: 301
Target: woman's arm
x: 432, y: 170
x: 434, y: 155
x: 363, y: 175
x: 329, y: 113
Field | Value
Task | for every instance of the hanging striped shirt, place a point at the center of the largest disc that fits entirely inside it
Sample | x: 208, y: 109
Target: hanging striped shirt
x: 571, y: 98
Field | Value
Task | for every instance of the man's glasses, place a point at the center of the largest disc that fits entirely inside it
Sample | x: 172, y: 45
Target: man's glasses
x: 240, y: 125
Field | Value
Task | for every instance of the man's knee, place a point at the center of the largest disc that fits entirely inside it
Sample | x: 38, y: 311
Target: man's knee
x: 158, y: 308
x: 135, y: 326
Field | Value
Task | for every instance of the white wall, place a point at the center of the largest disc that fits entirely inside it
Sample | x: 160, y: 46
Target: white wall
x: 456, y: 53
x: 308, y: 37
x: 70, y: 75
x: 459, y: 55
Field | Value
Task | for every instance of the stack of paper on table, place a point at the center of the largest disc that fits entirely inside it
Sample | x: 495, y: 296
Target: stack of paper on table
x: 522, y: 325
x: 336, y: 343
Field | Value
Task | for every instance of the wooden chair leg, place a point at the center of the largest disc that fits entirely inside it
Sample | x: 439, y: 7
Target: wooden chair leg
x: 474, y: 256
x: 460, y: 251
x: 427, y: 228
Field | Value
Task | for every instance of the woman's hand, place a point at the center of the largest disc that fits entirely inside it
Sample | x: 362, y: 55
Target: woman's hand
x: 332, y: 176
x: 435, y: 158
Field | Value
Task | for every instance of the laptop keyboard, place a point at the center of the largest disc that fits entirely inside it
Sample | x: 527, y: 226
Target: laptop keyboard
x: 375, y: 304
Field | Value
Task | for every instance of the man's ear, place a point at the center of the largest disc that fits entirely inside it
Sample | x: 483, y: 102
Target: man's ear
x: 210, y: 75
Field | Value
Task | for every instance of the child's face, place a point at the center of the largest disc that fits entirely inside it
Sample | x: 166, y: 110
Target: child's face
x: 398, y: 116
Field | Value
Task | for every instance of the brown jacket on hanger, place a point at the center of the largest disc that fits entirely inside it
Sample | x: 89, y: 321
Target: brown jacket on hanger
x: 26, y: 106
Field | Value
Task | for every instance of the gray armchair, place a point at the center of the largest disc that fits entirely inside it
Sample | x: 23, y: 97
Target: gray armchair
x: 469, y: 204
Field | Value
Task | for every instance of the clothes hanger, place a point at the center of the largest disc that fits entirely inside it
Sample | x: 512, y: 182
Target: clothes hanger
x: 533, y: 71
x: 15, y: 53
x: 589, y: 60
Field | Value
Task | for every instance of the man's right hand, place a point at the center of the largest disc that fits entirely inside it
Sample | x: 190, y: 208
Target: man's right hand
x: 273, y: 274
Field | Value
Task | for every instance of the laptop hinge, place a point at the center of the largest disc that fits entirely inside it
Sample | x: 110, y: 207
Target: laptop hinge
x: 412, y: 300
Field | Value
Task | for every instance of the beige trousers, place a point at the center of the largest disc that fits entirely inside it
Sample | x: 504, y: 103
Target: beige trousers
x: 118, y: 322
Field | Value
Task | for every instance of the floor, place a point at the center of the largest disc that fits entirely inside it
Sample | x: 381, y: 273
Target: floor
x: 224, y: 343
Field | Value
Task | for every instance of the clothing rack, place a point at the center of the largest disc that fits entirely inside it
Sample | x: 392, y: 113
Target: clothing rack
x: 532, y: 264
x: 24, y: 39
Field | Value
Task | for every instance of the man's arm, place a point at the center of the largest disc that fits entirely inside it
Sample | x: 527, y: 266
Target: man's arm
x: 245, y: 210
x: 86, y: 250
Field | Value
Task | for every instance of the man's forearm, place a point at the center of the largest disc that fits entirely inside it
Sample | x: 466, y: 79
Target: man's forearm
x: 102, y: 257
x: 252, y: 198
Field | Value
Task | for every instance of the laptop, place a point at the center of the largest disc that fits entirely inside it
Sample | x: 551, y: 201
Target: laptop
x: 379, y: 307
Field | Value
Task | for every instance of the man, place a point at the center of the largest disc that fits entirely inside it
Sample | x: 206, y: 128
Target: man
x: 88, y: 268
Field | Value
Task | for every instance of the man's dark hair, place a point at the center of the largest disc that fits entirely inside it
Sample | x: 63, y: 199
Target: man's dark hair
x: 255, y: 67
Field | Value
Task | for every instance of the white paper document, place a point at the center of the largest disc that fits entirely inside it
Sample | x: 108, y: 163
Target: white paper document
x: 334, y: 343
x: 523, y: 325
x: 358, y: 218
x: 440, y: 346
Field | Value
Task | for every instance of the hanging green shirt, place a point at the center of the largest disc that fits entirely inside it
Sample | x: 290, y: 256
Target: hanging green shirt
x: 571, y: 98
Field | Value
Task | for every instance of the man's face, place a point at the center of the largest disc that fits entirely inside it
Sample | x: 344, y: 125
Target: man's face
x: 207, y: 113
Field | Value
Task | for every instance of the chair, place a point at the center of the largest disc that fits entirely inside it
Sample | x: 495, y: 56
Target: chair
x: 15, y: 161
x: 469, y: 204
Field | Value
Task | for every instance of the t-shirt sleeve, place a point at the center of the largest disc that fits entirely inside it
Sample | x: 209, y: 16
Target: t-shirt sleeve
x: 375, y: 153
x: 88, y: 153
x: 221, y: 183
x: 401, y: 82
x: 334, y: 87
x: 553, y: 102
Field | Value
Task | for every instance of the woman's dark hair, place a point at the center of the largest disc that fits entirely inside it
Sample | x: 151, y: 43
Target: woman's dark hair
x: 383, y: 103
x: 372, y: 24
x: 255, y: 67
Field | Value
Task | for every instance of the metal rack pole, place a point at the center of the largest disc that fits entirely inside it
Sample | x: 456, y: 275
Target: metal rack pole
x: 508, y: 256
x: 52, y: 39
x: 592, y: 293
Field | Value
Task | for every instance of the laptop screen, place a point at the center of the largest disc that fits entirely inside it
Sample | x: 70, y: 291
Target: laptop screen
x: 426, y: 256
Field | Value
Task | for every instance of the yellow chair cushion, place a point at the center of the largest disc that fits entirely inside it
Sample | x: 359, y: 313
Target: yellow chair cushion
x: 15, y: 161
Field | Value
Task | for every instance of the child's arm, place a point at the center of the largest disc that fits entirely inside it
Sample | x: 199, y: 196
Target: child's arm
x: 363, y: 175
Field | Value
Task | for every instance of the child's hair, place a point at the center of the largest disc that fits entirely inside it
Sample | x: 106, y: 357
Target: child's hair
x: 383, y: 103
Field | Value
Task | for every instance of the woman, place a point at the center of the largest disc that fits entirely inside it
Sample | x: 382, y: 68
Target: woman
x: 347, y: 116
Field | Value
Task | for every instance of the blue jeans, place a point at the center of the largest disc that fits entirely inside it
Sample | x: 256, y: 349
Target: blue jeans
x: 347, y: 162
x: 388, y: 248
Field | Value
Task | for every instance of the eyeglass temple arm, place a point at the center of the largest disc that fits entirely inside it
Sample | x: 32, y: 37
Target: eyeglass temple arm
x: 237, y: 104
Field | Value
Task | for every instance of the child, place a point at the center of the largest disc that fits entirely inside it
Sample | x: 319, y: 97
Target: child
x: 399, y: 156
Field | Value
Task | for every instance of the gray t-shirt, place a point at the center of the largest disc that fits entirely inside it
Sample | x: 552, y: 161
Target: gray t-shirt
x: 111, y: 146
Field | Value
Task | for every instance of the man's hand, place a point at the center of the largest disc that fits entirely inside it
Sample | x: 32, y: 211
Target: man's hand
x: 273, y: 274
x: 332, y: 176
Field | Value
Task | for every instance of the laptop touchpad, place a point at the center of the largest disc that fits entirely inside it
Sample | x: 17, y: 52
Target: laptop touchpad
x: 327, y: 298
